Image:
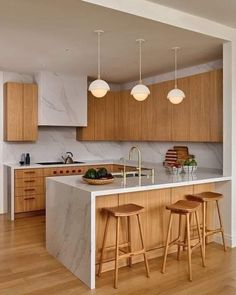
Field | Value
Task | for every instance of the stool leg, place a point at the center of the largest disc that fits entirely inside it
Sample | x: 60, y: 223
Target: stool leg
x: 143, y: 246
x: 185, y: 233
x: 204, y: 228
x: 200, y: 238
x: 179, y: 236
x: 117, y: 251
x: 189, y: 248
x: 103, y: 245
x: 221, y: 225
x: 167, y: 244
x: 129, y: 239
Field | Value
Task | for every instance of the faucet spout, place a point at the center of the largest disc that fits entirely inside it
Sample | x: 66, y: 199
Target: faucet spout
x: 139, y: 158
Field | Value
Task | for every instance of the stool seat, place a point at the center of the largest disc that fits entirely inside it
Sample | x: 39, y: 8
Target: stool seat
x: 183, y: 206
x: 124, y: 210
x: 205, y: 197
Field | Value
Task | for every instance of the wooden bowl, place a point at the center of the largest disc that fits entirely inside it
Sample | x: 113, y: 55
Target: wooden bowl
x: 98, y: 181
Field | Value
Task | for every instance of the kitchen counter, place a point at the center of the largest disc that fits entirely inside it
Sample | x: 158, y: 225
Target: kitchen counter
x: 71, y: 214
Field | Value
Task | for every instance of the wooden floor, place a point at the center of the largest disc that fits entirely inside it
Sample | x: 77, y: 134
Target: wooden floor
x: 27, y: 268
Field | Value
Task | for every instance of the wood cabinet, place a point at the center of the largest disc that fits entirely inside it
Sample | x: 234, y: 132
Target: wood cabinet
x: 20, y: 112
x: 102, y: 121
x: 29, y: 190
x: 198, y: 118
x: 30, y: 184
x: 154, y: 220
x: 157, y: 114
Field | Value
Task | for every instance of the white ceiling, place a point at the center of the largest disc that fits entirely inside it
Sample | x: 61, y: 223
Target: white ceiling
x: 221, y: 11
x: 35, y: 35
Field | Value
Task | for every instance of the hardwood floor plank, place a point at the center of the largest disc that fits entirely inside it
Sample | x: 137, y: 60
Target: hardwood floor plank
x: 27, y: 268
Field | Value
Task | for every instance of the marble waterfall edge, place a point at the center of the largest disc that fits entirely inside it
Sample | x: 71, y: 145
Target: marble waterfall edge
x: 68, y: 215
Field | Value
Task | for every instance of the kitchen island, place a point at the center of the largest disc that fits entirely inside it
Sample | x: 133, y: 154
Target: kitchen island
x: 75, y: 221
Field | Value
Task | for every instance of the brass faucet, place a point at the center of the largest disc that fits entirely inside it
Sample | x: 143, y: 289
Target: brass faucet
x: 139, y: 158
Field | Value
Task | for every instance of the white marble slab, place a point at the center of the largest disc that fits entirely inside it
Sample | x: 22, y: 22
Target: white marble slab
x: 62, y: 99
x: 70, y: 230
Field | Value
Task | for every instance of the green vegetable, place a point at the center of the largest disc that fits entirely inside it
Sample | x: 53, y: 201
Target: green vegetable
x: 193, y: 162
x: 102, y: 172
x: 91, y: 173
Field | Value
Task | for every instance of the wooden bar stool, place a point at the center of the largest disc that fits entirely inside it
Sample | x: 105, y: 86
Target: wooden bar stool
x: 183, y: 208
x: 204, y: 198
x: 118, y: 212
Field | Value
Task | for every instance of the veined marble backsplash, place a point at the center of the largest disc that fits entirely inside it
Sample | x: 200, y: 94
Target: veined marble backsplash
x: 54, y: 141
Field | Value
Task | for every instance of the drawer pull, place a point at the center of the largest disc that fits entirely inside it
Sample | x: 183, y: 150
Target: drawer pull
x: 29, y: 180
x: 61, y: 171
x: 29, y: 189
x: 54, y: 172
x: 67, y: 171
x: 29, y: 172
x: 30, y: 198
x: 73, y: 171
x: 79, y: 170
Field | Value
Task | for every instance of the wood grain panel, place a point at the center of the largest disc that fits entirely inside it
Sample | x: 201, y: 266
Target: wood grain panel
x: 22, y: 191
x: 29, y: 203
x: 180, y: 114
x: 13, y: 111
x: 216, y: 106
x: 28, y: 173
x: 29, y: 182
x: 30, y: 112
x: 157, y: 113
x: 199, y: 100
x: 105, y: 123
x: 128, y: 117
x: 105, y: 202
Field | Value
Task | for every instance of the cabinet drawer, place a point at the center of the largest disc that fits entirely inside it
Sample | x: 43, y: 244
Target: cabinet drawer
x: 23, y: 191
x: 28, y: 173
x: 30, y: 203
x: 64, y: 171
x: 29, y: 182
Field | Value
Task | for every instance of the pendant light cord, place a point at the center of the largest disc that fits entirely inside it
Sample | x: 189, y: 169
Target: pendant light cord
x: 176, y: 68
x: 99, y: 56
x: 140, y: 61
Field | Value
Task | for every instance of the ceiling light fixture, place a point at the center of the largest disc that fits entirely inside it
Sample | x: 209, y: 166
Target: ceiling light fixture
x: 140, y: 92
x: 99, y: 87
x: 175, y: 95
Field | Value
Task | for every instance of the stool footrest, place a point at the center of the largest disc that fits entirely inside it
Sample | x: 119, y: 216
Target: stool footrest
x: 127, y: 255
x: 210, y: 232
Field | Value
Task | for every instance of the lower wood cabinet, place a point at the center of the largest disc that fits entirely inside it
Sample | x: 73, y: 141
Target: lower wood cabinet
x: 154, y: 220
x: 29, y: 184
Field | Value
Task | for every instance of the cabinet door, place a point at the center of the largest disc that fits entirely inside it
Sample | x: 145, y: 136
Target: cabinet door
x: 30, y: 113
x: 88, y: 133
x: 156, y: 113
x: 199, y: 107
x: 128, y: 117
x: 216, y: 106
x: 181, y: 114
x: 105, y: 120
x: 13, y: 111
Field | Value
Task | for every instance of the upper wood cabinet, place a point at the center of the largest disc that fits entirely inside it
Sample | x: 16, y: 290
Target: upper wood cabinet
x: 199, y: 118
x: 20, y: 112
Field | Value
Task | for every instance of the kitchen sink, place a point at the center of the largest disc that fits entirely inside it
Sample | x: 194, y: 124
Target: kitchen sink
x: 59, y: 163
x: 128, y: 175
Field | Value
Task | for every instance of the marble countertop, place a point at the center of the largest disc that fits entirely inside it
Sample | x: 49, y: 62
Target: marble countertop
x: 161, y: 180
x: 16, y: 166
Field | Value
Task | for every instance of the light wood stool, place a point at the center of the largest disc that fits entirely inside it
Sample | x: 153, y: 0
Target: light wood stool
x: 126, y: 210
x: 183, y: 208
x: 205, y: 198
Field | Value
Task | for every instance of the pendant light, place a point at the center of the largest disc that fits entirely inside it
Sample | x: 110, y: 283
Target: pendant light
x: 99, y: 87
x: 140, y: 92
x: 176, y: 95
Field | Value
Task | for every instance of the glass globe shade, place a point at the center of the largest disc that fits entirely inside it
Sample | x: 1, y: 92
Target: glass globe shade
x: 140, y: 92
x: 99, y: 88
x: 176, y: 96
